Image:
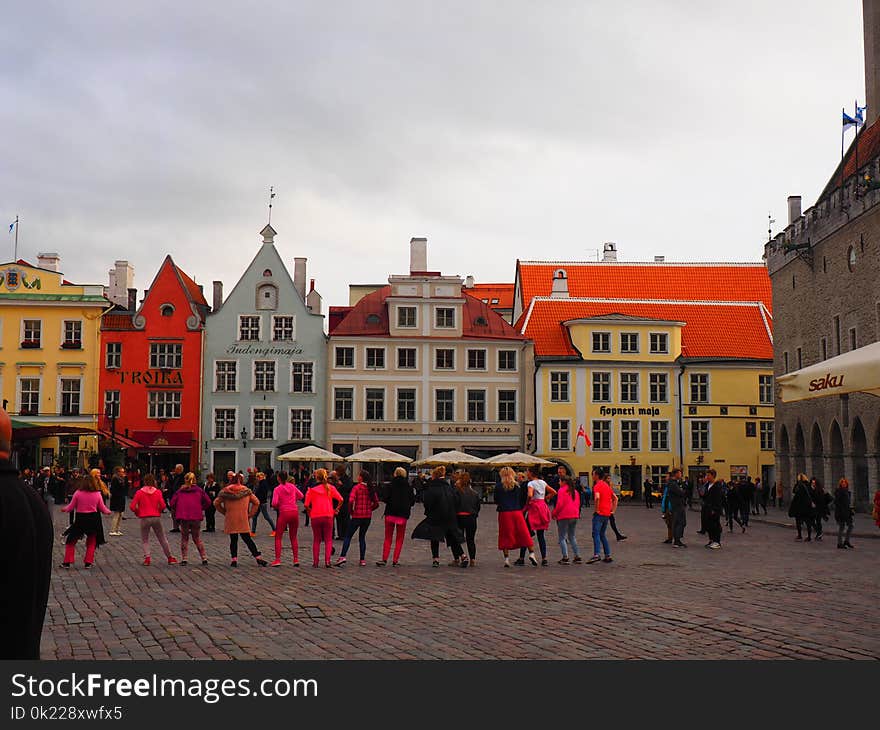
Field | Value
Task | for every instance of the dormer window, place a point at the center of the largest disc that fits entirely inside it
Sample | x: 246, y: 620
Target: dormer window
x: 166, y: 310
x: 267, y: 296
x: 373, y: 319
x: 481, y: 322
x: 560, y: 274
x: 267, y: 274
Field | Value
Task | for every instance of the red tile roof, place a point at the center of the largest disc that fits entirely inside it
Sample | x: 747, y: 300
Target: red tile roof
x: 369, y: 318
x: 502, y: 292
x: 723, y: 330
x: 661, y: 280
x: 868, y: 149
x: 194, y: 290
x: 119, y: 322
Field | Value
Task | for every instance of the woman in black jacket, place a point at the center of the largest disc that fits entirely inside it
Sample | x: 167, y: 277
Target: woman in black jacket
x: 440, y: 524
x: 802, y: 508
x: 843, y: 514
x: 821, y: 500
x: 467, y: 509
x: 399, y: 500
x: 118, y: 493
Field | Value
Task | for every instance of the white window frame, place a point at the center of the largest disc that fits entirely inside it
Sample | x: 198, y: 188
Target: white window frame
x: 19, y: 394
x: 593, y: 349
x: 22, y: 331
x: 164, y: 352
x: 252, y: 436
x: 437, y: 324
x: 595, y: 440
x: 638, y: 385
x: 414, y: 350
x: 306, y: 409
x: 79, y: 395
x: 651, y: 434
x: 515, y: 368
x: 638, y: 432
x: 708, y: 423
x: 454, y: 405
x: 238, y: 331
x: 116, y: 402
x: 214, y: 410
x: 384, y: 403
x: 235, y: 383
x: 550, y: 432
x: 64, y: 324
x: 374, y: 348
x: 275, y: 327
x: 117, y: 356
x: 311, y: 375
x: 761, y: 388
x: 353, y: 402
x: 610, y: 375
x: 164, y: 405
x: 762, y: 434
x: 467, y: 398
x: 567, y: 382
x: 665, y: 377
x: 498, y: 405
x: 467, y: 359
x: 399, y: 309
x: 454, y: 358
x: 657, y: 351
x: 353, y: 365
x: 415, y: 392
x: 274, y: 388
x: 708, y: 398
x: 638, y: 343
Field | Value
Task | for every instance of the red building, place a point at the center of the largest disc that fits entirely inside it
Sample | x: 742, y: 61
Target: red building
x: 150, y: 381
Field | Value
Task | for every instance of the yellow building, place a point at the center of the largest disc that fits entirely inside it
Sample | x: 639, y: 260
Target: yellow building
x: 49, y: 338
x: 654, y: 384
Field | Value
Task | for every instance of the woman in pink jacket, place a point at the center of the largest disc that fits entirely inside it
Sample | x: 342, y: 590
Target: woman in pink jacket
x: 284, y: 499
x: 148, y: 504
x: 566, y: 513
x: 87, y: 504
x: 188, y: 506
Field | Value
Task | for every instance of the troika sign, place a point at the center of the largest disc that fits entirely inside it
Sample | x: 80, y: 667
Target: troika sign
x: 150, y: 377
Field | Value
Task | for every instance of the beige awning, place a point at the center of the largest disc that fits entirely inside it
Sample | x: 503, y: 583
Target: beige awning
x: 310, y: 453
x: 518, y: 458
x: 450, y: 458
x: 378, y: 455
x: 857, y: 371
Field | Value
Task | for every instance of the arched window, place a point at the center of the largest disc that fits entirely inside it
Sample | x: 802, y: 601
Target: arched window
x: 267, y: 296
x: 560, y: 274
x: 166, y: 310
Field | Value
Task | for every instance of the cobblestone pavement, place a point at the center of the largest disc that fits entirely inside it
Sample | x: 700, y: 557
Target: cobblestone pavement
x: 762, y: 596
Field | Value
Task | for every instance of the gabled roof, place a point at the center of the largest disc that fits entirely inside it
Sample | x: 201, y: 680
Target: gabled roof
x: 718, y: 330
x: 369, y: 318
x: 692, y: 281
x: 868, y: 140
x: 502, y: 292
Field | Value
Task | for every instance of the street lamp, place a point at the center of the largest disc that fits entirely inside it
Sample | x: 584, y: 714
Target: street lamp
x: 529, y: 438
x: 244, y: 438
x: 111, y: 414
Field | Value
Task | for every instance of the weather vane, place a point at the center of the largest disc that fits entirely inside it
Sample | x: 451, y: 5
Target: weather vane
x: 770, y: 222
x: 271, y: 195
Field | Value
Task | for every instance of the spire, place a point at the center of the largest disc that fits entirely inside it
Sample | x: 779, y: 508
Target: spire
x: 268, y: 234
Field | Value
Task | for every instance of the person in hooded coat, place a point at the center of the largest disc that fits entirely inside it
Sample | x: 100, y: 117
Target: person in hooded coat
x: 26, y: 545
x: 802, y: 507
x: 238, y: 505
x: 440, y: 523
x: 189, y: 504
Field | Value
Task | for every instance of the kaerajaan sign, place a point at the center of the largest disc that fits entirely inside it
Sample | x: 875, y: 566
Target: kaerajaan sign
x: 828, y: 381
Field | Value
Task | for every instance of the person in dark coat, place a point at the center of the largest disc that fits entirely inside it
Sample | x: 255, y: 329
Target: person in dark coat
x: 712, y: 509
x: 399, y: 498
x: 746, y: 489
x: 821, y: 502
x: 440, y: 523
x: 802, y: 507
x: 175, y: 482
x: 677, y: 494
x: 843, y: 514
x: 26, y: 569
x: 343, y: 483
x: 212, y: 489
x: 118, y: 493
x: 732, y: 505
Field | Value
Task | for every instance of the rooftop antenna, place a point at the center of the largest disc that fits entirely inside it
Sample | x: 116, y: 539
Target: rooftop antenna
x: 770, y: 222
x: 15, y: 225
x: 271, y: 195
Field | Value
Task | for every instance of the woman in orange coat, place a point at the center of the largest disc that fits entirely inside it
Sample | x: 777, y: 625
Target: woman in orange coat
x: 238, y: 504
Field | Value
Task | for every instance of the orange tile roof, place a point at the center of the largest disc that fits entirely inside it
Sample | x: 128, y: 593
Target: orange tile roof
x: 116, y: 322
x: 723, y: 330
x: 502, y: 292
x: 748, y: 282
x: 369, y: 318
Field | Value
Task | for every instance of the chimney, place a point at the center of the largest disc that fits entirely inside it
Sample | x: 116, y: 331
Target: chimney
x: 560, y: 284
x: 609, y: 251
x: 418, y: 254
x: 131, y: 303
x: 299, y: 276
x: 51, y: 261
x: 218, y: 296
x: 469, y: 282
x: 313, y: 300
x: 659, y: 259
x: 121, y: 280
x: 871, y: 21
x: 794, y: 208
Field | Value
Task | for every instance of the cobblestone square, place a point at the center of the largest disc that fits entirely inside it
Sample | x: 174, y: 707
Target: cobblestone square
x: 762, y: 596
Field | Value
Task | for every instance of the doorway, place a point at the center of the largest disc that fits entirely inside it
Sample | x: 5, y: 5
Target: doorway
x: 631, y: 480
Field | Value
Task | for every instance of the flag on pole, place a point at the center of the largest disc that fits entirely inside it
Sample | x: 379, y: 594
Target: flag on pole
x: 860, y: 113
x: 11, y: 226
x: 849, y: 121
x: 582, y: 433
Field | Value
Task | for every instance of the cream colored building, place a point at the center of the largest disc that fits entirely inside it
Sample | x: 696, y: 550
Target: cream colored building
x: 420, y: 366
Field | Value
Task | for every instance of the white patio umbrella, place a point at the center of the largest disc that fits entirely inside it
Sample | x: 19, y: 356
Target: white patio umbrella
x: 517, y: 458
x: 377, y: 455
x: 310, y: 453
x: 856, y: 371
x: 450, y: 458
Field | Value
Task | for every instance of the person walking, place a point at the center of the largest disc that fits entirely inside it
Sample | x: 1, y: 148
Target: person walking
x: 566, y: 513
x: 732, y: 508
x: 362, y: 502
x: 537, y: 510
x: 118, y: 493
x: 87, y: 505
x: 648, y: 488
x: 285, y: 498
x: 665, y: 511
x: 513, y: 532
x: 821, y: 504
x: 780, y: 492
x: 238, y: 505
x: 677, y: 493
x: 712, y: 509
x: 399, y: 500
x: 802, y: 507
x: 440, y: 524
x: 344, y: 486
x: 212, y: 489
x: 467, y: 511
x: 261, y: 491
x: 605, y: 502
x: 322, y: 503
x: 189, y: 504
x: 175, y: 482
x: 746, y: 488
x: 843, y: 514
x: 147, y: 505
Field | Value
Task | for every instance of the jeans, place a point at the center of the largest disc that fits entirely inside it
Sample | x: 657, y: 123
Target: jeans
x: 468, y: 525
x: 322, y: 531
x: 154, y: 524
x: 600, y: 524
x: 356, y: 524
x: 566, y: 530
x: 287, y: 521
x: 264, y: 510
x: 679, y: 521
x: 713, y: 526
x: 248, y: 540
x: 390, y: 524
x: 844, y: 530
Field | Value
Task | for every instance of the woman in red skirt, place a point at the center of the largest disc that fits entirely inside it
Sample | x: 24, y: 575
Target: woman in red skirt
x: 513, y: 533
x: 539, y: 492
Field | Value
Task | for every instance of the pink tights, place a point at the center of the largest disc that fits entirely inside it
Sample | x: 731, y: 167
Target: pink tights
x: 322, y: 531
x: 390, y: 524
x: 287, y: 522
x: 70, y: 550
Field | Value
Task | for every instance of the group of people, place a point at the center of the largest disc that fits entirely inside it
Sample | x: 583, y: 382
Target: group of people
x: 811, y: 505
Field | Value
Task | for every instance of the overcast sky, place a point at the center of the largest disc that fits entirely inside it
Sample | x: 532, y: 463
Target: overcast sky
x: 497, y: 129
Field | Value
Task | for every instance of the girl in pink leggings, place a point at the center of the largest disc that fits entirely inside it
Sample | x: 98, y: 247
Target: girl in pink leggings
x: 87, y: 504
x: 148, y: 504
x: 284, y: 499
x: 399, y: 500
x: 322, y: 504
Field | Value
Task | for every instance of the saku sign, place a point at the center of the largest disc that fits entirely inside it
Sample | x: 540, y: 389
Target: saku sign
x: 13, y: 278
x: 829, y: 381
x: 150, y: 377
